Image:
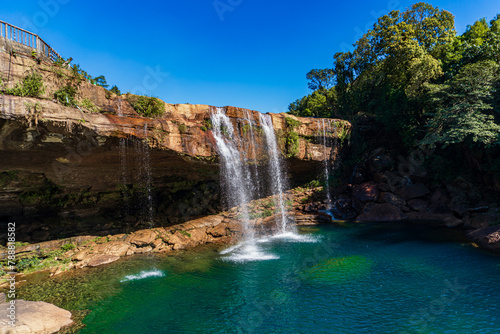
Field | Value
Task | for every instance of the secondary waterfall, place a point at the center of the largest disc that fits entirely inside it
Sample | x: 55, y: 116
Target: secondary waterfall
x: 326, y: 165
x: 144, y: 177
x: 276, y: 171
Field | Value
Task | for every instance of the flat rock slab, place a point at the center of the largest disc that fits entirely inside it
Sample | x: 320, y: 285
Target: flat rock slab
x: 100, y: 259
x: 34, y: 318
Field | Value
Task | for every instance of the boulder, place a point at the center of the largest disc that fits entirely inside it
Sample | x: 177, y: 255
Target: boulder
x: 100, y: 259
x: 366, y: 192
x: 118, y: 248
x: 34, y: 317
x: 387, y: 197
x: 218, y: 231
x: 418, y: 205
x: 414, y: 191
x: 178, y: 240
x: 142, y: 238
x: 488, y: 237
x: 381, y: 212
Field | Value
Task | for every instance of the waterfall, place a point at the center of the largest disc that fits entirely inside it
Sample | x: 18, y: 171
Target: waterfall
x: 251, y: 148
x: 326, y: 165
x: 235, y: 174
x: 144, y: 176
x: 275, y: 171
x: 123, y: 168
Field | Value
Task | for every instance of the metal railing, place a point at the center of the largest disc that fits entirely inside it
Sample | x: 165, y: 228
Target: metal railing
x: 27, y: 38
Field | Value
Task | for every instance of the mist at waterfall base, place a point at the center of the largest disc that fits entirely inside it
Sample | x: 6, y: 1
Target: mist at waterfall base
x: 359, y: 278
x: 241, y: 181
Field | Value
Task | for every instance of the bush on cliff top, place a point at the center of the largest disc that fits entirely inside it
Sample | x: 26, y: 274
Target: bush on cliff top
x: 147, y: 106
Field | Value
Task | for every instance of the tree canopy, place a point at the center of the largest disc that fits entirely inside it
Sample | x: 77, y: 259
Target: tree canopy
x: 419, y: 80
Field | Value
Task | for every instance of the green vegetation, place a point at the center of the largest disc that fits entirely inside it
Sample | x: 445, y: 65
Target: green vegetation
x: 182, y: 127
x: 208, y: 123
x: 31, y: 85
x: 411, y: 81
x: 147, y: 106
x: 67, y: 247
x: 66, y: 96
x: 291, y: 137
x: 115, y: 90
x: 186, y: 233
x: 89, y: 106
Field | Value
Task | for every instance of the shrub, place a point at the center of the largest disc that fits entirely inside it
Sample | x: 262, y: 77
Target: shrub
x: 147, y: 106
x: 292, y: 143
x: 27, y: 263
x: 89, y: 105
x: 115, y: 90
x: 182, y: 128
x: 66, y: 96
x: 31, y: 85
x: 67, y: 247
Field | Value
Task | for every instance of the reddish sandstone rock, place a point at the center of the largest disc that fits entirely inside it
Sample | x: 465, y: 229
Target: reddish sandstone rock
x: 118, y: 248
x: 100, y: 259
x: 142, y: 238
x: 219, y: 230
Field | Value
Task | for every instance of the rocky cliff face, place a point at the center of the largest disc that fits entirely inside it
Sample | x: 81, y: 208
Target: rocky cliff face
x: 69, y: 171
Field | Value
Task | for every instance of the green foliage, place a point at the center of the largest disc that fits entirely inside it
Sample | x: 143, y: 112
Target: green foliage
x: 465, y: 110
x: 182, y: 127
x: 292, y: 143
x: 89, y: 106
x: 186, y: 233
x: 320, y: 103
x: 208, y: 123
x: 313, y: 184
x: 115, y: 90
x: 147, y: 106
x: 66, y: 96
x: 67, y: 247
x: 100, y: 81
x: 31, y: 85
x: 292, y: 123
x: 27, y: 263
x: 203, y: 128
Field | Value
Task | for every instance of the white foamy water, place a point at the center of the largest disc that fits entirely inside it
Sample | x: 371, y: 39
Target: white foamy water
x: 144, y: 274
x: 246, y: 252
x: 294, y: 237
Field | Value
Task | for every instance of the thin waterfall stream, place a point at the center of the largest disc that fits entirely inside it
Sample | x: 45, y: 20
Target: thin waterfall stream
x: 276, y: 171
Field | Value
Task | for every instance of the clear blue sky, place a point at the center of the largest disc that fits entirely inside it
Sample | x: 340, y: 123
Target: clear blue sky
x: 246, y: 53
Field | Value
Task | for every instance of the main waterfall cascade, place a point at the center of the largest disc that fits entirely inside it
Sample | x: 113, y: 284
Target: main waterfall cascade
x: 240, y: 179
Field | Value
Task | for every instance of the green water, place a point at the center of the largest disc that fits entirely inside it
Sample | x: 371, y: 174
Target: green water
x: 354, y: 279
